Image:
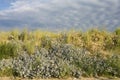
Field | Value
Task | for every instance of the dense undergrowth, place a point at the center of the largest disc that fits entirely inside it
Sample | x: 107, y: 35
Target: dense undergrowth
x: 40, y: 54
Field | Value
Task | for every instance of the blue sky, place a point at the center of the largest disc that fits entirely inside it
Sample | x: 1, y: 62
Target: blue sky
x: 59, y: 14
x: 4, y: 4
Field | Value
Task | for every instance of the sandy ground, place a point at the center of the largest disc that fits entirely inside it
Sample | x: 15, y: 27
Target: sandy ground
x: 11, y: 78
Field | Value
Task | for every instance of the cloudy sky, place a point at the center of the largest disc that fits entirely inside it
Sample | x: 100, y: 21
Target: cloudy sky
x: 59, y: 14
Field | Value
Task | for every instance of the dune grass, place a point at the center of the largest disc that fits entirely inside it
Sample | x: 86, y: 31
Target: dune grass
x: 93, y: 40
x: 100, y: 44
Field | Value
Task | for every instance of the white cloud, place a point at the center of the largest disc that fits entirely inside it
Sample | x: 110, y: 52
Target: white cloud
x: 60, y: 13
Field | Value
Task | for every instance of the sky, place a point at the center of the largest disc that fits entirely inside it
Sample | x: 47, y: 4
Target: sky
x: 59, y: 14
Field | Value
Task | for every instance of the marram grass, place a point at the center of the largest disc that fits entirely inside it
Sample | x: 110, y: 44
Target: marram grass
x: 93, y: 40
x: 33, y: 54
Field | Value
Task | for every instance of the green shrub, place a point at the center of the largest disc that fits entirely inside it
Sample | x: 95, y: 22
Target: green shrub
x: 113, y: 65
x: 8, y: 50
x: 117, y: 31
x: 117, y: 37
x: 75, y: 38
x: 93, y: 40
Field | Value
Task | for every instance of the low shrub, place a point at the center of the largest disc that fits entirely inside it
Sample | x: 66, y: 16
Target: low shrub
x: 55, y: 62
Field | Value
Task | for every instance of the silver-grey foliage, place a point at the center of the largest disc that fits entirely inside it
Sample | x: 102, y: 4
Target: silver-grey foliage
x: 62, y: 60
x: 56, y: 62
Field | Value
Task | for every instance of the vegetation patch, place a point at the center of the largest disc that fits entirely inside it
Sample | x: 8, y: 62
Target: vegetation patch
x: 39, y: 54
